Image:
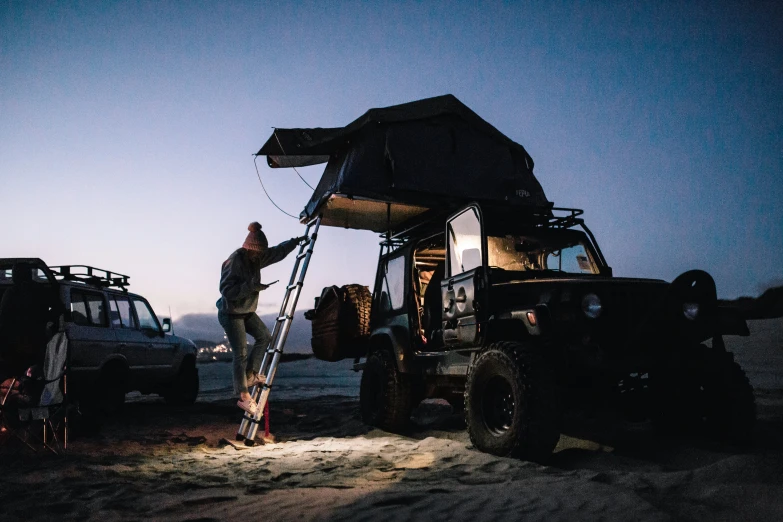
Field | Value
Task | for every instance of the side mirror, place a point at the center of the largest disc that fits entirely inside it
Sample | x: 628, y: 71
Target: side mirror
x: 166, y: 324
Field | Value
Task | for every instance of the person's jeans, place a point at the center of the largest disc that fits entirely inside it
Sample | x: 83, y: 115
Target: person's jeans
x: 237, y: 327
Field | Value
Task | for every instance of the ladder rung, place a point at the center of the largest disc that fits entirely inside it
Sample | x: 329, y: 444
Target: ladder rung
x: 291, y: 287
x: 284, y: 317
x: 302, y: 255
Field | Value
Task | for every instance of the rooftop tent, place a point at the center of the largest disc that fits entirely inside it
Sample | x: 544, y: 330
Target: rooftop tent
x: 394, y: 163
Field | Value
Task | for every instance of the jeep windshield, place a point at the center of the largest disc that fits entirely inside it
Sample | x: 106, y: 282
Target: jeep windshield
x: 541, y: 252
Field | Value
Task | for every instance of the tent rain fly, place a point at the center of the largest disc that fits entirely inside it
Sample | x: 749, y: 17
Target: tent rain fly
x: 394, y: 163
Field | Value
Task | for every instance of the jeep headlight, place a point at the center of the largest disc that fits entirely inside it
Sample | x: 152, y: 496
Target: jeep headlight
x: 591, y: 306
x: 690, y: 311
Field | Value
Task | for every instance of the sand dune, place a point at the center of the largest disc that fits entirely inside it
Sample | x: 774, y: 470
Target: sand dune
x: 326, y: 465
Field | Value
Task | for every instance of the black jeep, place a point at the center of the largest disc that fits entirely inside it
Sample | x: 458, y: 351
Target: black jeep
x: 519, y: 314
x: 505, y: 304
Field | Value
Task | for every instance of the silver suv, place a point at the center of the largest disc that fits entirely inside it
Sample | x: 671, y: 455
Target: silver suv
x: 116, y: 342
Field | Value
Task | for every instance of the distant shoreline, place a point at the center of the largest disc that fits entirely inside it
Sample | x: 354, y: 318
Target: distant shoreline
x: 768, y: 305
x: 228, y: 357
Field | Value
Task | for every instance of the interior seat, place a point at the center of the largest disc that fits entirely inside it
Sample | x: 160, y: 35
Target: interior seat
x: 432, y: 301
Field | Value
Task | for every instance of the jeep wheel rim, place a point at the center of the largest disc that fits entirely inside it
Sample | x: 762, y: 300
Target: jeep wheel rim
x: 498, y: 406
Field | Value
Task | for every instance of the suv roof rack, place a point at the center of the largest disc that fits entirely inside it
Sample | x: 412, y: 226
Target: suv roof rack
x: 567, y: 221
x: 91, y: 276
x: 543, y: 216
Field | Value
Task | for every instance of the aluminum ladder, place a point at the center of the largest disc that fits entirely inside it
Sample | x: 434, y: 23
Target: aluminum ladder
x: 260, y: 393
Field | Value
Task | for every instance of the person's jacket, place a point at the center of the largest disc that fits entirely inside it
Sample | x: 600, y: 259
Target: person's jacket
x: 240, y: 276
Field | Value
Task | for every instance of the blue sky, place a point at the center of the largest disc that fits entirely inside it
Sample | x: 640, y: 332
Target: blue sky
x: 127, y: 129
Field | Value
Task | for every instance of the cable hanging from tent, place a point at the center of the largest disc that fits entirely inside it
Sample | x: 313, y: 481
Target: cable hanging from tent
x: 274, y: 131
x: 255, y: 162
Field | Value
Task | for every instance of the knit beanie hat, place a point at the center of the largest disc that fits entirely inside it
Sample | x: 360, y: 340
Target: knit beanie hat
x: 256, y: 240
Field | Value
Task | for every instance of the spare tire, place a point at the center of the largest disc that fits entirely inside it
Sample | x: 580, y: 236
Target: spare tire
x: 341, y: 323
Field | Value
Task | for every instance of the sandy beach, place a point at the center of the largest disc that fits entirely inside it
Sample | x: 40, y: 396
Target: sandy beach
x: 158, y: 463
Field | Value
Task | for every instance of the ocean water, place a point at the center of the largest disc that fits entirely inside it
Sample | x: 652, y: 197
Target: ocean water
x: 293, y: 380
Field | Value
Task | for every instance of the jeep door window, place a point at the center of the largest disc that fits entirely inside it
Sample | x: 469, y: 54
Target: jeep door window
x: 121, y: 316
x: 147, y: 319
x: 465, y: 252
x: 393, y: 284
x: 88, y: 308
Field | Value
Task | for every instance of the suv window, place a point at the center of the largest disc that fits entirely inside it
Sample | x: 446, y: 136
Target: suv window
x: 464, y: 242
x: 88, y: 308
x: 147, y: 320
x: 37, y: 275
x: 121, y: 315
x: 393, y: 284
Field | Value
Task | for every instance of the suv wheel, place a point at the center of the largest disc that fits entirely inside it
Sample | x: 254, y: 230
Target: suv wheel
x: 709, y: 394
x: 184, y: 390
x: 385, y: 395
x: 107, y: 397
x: 511, y: 406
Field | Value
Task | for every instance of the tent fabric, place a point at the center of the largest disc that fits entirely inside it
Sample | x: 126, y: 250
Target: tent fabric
x: 427, y: 153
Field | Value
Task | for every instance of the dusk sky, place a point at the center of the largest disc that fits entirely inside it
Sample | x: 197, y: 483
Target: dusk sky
x: 127, y: 129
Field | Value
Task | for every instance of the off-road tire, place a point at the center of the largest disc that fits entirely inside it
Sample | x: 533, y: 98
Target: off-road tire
x: 385, y: 395
x: 106, y: 397
x: 357, y: 301
x: 511, y: 403
x: 709, y: 395
x: 184, y: 390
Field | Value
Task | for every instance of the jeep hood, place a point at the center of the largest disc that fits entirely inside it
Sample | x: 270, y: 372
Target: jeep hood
x: 646, y: 294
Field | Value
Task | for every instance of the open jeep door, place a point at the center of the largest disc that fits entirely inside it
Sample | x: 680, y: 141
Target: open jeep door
x: 465, y: 279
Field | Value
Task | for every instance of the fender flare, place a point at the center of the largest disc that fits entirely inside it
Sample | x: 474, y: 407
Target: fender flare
x: 114, y: 362
x: 395, y: 339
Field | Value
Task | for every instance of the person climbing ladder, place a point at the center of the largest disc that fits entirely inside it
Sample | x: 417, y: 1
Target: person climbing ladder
x: 240, y: 284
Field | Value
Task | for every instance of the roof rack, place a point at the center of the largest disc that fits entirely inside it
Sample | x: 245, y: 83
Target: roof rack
x: 91, y: 276
x: 567, y: 221
x: 543, y: 216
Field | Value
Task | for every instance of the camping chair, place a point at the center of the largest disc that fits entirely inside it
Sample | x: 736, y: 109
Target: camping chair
x: 34, y: 405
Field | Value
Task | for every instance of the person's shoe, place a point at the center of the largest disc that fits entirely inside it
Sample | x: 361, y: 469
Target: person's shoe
x: 249, y: 406
x: 255, y: 379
